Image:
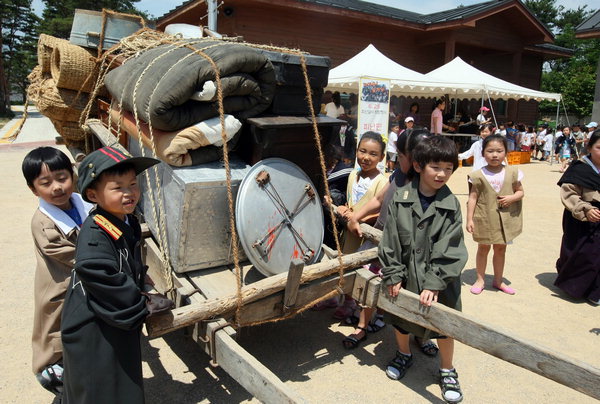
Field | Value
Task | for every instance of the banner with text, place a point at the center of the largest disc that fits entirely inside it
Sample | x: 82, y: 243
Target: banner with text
x: 373, y: 108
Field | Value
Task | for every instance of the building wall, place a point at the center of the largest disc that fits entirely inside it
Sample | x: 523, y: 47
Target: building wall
x: 489, y: 46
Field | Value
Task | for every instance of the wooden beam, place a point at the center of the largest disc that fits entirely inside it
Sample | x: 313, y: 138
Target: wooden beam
x: 217, y: 338
x: 292, y: 284
x: 270, y: 307
x: 485, y: 337
x: 104, y: 135
x: 250, y: 373
x: 184, y: 316
x: 371, y: 233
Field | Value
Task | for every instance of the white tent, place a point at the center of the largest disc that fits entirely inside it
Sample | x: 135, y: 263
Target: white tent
x: 464, y: 79
x: 455, y: 77
x: 371, y: 63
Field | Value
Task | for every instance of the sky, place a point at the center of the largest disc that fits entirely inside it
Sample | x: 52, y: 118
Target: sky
x: 158, y: 8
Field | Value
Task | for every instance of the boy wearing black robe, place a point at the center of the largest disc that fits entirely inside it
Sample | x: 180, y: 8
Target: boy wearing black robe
x: 104, y: 306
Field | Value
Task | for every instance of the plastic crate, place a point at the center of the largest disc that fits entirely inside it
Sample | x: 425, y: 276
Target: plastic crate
x: 514, y: 158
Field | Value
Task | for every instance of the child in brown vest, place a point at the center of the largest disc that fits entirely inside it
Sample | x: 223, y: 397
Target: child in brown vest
x: 494, y: 211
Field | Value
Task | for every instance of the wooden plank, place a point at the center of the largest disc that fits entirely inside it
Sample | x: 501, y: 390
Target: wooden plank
x: 366, y: 287
x: 184, y: 316
x: 292, y: 284
x: 329, y: 252
x: 270, y: 307
x: 491, y: 339
x: 104, y: 135
x: 251, y: 374
x: 155, y: 271
x: 214, y: 282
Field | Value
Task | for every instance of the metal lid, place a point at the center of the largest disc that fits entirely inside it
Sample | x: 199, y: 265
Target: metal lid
x: 278, y: 216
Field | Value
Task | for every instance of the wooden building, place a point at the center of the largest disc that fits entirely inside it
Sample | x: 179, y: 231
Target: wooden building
x: 501, y: 37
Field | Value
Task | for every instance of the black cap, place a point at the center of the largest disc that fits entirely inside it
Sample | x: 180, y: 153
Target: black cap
x: 101, y: 160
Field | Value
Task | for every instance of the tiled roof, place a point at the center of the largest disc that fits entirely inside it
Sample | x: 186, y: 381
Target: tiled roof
x: 556, y: 48
x: 398, y: 14
x: 591, y: 24
x: 455, y: 14
x: 460, y: 13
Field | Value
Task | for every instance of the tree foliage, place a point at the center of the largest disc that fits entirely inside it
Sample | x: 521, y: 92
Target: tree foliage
x: 573, y: 77
x: 18, y: 40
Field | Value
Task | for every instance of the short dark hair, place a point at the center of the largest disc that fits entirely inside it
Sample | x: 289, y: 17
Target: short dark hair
x: 413, y: 138
x: 35, y: 160
x: 435, y: 149
x: 118, y: 169
x: 494, y: 138
x: 489, y: 127
x: 370, y: 135
x: 593, y: 139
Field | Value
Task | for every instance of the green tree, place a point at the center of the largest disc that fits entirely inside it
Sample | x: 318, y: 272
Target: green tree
x: 573, y: 77
x: 57, y: 17
x: 18, y: 38
x: 545, y: 10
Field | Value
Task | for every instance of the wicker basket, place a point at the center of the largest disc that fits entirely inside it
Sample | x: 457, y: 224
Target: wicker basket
x: 46, y: 45
x: 70, y: 131
x: 73, y: 67
x: 60, y: 104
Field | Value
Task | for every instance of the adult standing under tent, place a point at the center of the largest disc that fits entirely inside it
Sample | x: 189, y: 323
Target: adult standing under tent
x: 467, y: 81
x: 482, y: 117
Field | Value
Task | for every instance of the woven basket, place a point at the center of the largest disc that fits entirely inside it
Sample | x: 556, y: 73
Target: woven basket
x: 70, y: 131
x: 73, y: 67
x: 60, y: 104
x: 46, y: 45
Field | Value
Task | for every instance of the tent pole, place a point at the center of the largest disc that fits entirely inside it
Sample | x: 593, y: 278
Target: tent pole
x: 491, y: 107
x: 566, y: 116
x: 554, y: 136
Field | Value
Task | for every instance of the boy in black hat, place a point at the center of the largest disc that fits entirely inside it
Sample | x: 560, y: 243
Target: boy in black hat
x: 105, y: 306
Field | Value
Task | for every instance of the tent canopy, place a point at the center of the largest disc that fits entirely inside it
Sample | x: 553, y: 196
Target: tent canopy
x: 456, y: 77
x: 370, y: 63
x: 466, y: 80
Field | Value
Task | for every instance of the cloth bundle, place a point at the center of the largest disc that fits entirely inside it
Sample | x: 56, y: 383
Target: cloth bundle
x: 162, y: 84
x: 196, y: 144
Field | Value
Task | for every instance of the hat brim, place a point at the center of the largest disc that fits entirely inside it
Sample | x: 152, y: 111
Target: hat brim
x: 140, y: 164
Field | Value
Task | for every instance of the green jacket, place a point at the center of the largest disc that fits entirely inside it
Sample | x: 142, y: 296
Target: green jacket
x: 423, y: 250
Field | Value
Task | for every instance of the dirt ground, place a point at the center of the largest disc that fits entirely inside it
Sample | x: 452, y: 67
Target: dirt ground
x: 306, y: 352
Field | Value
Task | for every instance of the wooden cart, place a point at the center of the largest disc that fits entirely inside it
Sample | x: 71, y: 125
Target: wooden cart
x: 206, y: 301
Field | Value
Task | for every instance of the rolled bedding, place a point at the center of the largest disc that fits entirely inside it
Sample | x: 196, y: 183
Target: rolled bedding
x: 197, y: 144
x: 165, y: 84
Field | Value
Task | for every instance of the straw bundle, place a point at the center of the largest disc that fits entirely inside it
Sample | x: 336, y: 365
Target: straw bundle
x: 73, y: 67
x: 36, y: 77
x: 46, y: 44
x: 70, y: 131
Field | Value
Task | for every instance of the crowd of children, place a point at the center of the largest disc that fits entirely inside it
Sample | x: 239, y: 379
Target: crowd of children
x: 90, y: 270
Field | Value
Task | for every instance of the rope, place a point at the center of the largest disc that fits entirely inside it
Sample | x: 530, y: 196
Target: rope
x: 145, y: 39
x: 23, y: 119
x: 341, y: 270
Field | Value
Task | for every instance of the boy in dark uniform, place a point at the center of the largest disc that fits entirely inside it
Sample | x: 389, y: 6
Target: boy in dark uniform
x: 104, y: 306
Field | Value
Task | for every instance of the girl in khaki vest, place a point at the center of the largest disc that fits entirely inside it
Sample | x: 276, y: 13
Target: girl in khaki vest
x: 494, y: 211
